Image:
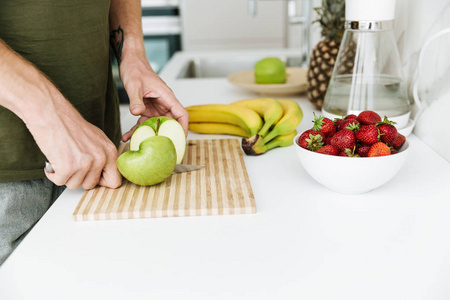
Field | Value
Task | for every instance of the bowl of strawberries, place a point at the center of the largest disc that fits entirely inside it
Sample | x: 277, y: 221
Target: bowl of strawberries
x: 353, y: 154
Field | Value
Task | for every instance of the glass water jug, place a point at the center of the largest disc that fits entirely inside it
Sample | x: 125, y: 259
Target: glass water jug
x: 367, y: 74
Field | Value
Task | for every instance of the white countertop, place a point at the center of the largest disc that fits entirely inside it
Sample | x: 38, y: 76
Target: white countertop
x: 304, y: 242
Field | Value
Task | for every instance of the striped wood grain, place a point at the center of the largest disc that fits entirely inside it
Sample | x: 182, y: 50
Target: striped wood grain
x: 221, y: 188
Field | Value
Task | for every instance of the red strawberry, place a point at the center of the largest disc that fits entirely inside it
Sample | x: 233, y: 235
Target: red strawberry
x: 387, y: 131
x: 344, y: 138
x: 379, y: 149
x: 351, y: 124
x: 302, y: 139
x: 310, y: 139
x: 368, y: 117
x: 398, y: 140
x: 338, y: 122
x: 328, y: 149
x: 352, y: 116
x: 363, y: 150
x: 324, y: 125
x: 368, y: 134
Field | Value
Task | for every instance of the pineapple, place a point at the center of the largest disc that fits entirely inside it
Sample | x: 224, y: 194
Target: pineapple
x: 331, y: 17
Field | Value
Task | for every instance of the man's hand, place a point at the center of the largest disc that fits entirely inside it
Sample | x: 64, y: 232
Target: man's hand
x: 82, y: 156
x: 149, y: 95
x: 80, y: 153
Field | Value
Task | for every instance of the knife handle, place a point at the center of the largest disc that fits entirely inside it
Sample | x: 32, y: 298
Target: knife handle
x: 49, y: 168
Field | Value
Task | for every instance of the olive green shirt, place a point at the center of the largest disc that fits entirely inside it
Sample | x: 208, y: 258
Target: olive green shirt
x: 68, y: 40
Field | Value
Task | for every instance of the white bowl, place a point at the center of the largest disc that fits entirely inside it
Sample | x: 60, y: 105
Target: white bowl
x: 351, y: 175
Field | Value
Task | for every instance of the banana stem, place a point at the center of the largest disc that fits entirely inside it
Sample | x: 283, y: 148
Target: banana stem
x: 264, y: 129
x: 253, y: 145
x: 271, y: 135
x: 282, y: 140
x: 273, y: 144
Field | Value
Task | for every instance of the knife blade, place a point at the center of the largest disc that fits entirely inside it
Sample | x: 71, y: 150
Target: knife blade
x: 179, y: 168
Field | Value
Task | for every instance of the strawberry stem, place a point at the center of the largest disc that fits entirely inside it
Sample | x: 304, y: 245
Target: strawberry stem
x: 318, y: 122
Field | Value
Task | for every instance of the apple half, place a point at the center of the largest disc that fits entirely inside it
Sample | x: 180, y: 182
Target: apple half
x: 160, y: 126
x: 151, y: 164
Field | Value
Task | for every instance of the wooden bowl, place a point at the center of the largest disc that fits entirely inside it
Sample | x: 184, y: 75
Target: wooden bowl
x: 296, y: 83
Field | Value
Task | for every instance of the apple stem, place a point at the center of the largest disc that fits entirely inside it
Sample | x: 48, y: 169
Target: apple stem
x: 158, y: 122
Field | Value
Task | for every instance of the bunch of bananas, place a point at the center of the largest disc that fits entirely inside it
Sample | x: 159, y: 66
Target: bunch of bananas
x: 264, y: 123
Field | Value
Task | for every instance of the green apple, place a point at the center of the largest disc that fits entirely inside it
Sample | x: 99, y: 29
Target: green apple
x: 151, y: 164
x: 160, y: 126
x: 270, y: 70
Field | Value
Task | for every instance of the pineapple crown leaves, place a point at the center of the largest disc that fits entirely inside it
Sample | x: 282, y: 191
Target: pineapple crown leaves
x: 331, y: 16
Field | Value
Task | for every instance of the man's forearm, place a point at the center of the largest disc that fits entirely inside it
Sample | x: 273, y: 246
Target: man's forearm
x: 126, y: 28
x: 25, y: 90
x: 80, y: 153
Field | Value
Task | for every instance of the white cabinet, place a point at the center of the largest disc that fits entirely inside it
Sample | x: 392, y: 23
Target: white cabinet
x: 228, y: 24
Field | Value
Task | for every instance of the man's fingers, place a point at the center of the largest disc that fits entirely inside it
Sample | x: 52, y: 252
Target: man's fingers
x: 75, y: 181
x: 91, y: 180
x: 137, y: 106
x: 91, y: 167
x: 128, y: 134
x: 184, y: 121
x: 111, y: 177
x: 182, y: 116
x: 175, y: 109
x: 57, y: 179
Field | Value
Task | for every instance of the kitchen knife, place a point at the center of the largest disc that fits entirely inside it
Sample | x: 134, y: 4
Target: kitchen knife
x: 179, y: 168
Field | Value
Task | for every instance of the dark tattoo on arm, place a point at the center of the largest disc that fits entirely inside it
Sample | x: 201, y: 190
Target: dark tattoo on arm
x: 116, y: 41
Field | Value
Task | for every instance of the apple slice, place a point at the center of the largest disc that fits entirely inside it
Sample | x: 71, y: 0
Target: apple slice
x: 151, y: 164
x: 160, y: 126
x: 139, y: 135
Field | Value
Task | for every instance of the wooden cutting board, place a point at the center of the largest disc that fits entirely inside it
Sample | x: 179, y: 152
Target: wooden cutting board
x: 221, y: 188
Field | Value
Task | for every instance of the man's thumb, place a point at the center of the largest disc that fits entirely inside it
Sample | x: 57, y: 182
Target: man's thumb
x: 137, y: 106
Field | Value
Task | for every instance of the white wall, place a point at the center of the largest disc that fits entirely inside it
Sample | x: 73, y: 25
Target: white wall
x: 416, y: 21
x: 227, y: 24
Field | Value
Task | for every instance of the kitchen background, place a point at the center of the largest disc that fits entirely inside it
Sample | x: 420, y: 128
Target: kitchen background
x: 208, y: 25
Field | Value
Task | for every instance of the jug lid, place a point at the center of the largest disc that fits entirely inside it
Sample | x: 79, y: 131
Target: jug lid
x: 369, y: 10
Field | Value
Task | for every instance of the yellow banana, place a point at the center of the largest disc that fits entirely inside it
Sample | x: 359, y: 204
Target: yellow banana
x: 291, y: 118
x: 267, y: 108
x: 256, y: 146
x: 218, y: 128
x: 240, y: 116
